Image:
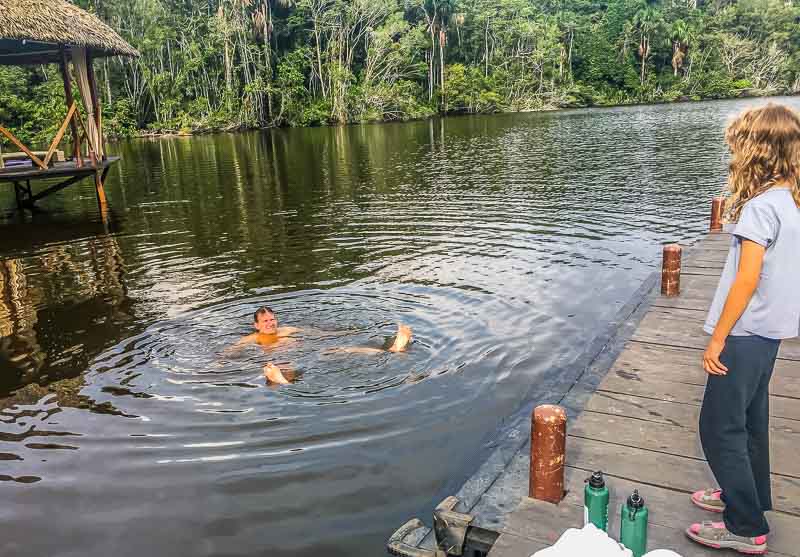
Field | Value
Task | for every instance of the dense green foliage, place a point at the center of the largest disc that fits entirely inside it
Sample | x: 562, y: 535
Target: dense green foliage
x: 223, y: 64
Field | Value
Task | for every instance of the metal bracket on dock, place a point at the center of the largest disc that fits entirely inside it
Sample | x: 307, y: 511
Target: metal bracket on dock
x: 450, y: 527
x: 455, y: 535
x: 396, y: 545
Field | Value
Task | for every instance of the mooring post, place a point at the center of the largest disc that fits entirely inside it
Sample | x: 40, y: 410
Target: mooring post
x: 548, y: 448
x: 717, y: 206
x: 671, y: 270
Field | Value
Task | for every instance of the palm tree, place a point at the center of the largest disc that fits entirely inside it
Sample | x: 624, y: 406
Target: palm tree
x: 645, y: 22
x: 680, y: 44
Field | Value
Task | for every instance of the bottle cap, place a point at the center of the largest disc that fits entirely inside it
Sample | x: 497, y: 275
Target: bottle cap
x: 596, y: 480
x: 636, y: 501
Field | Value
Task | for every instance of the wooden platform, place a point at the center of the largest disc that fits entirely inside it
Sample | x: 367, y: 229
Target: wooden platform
x: 58, y: 170
x: 640, y: 428
x: 67, y: 172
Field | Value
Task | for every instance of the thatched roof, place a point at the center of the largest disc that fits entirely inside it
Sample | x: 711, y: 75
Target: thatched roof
x: 33, y: 31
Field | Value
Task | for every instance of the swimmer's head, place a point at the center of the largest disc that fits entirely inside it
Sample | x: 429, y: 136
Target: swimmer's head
x: 264, y: 321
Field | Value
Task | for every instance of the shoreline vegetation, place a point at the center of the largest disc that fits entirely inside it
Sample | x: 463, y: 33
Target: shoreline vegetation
x: 152, y: 134
x: 228, y: 65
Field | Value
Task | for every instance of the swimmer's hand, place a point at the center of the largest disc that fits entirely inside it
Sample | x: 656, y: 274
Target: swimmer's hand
x: 273, y: 374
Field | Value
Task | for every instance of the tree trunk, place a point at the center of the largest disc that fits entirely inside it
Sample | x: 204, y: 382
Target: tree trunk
x: 569, y: 58
x: 486, y: 49
x: 268, y: 56
x: 319, y: 58
x: 431, y: 74
x: 644, y: 47
x: 442, y: 39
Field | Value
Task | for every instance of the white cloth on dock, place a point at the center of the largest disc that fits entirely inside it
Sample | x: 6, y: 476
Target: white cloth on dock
x: 590, y: 541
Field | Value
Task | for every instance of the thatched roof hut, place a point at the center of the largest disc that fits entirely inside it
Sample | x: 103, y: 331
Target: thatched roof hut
x: 35, y: 31
x: 56, y: 31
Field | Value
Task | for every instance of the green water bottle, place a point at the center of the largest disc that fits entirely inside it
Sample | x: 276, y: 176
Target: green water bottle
x: 633, y: 527
x: 595, y: 501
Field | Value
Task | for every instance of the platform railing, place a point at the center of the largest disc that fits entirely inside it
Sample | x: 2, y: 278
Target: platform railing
x: 73, y: 118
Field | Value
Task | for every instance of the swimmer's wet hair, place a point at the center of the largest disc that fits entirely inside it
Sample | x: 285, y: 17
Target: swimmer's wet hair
x: 261, y: 311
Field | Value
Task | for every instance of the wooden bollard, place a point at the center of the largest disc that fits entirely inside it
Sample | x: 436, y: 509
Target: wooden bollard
x: 671, y: 270
x: 548, y: 447
x: 717, y: 207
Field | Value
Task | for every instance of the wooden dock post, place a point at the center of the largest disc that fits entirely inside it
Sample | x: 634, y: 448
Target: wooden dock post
x: 76, y: 141
x: 717, y: 207
x: 671, y: 270
x: 548, y: 448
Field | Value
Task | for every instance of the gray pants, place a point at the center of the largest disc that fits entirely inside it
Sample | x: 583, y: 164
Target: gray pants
x: 734, y: 430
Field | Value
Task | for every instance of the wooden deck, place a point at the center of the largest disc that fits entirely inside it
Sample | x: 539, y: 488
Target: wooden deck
x: 58, y: 170
x: 66, y: 173
x: 640, y: 428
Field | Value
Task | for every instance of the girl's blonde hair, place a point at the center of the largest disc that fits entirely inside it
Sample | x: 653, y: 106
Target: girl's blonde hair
x: 765, y: 149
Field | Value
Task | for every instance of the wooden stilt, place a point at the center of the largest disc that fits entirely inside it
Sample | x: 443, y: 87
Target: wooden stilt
x: 76, y: 142
x: 18, y: 195
x: 101, y: 194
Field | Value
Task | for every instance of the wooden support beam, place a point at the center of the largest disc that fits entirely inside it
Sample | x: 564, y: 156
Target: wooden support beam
x: 98, y: 118
x: 22, y: 148
x: 101, y: 193
x: 76, y: 142
x: 54, y: 188
x: 60, y: 134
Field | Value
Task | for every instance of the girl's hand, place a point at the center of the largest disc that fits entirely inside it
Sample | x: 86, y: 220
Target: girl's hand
x: 711, y: 362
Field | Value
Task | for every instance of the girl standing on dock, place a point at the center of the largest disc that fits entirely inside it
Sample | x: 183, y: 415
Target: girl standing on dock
x: 756, y: 305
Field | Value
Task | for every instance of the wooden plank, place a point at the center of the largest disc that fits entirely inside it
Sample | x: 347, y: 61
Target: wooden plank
x: 646, y: 409
x: 681, y: 440
x: 683, y: 328
x: 640, y: 361
x: 618, y: 381
x: 510, y: 545
x: 649, y: 407
x: 58, y: 170
x: 701, y: 256
x: 22, y: 156
x: 714, y: 265
x: 696, y: 293
x: 694, y: 270
x: 714, y: 238
x: 60, y: 134
x: 665, y: 470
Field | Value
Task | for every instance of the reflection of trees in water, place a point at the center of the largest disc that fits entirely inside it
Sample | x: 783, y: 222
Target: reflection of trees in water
x: 52, y: 316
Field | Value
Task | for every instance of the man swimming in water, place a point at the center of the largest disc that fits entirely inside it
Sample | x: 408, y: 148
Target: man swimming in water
x: 269, y: 335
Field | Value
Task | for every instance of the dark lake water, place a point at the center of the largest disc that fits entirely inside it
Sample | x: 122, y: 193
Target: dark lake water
x: 506, y: 242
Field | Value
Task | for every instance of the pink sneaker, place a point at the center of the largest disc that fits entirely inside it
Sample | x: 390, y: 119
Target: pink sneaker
x: 716, y: 535
x: 709, y: 500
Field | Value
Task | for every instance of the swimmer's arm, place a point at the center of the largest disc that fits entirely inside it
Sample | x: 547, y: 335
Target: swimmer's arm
x: 288, y: 331
x: 244, y: 341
